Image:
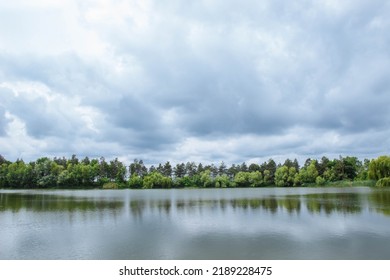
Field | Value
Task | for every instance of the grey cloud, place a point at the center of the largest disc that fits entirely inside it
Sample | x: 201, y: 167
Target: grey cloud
x: 42, y: 119
x: 217, y: 70
x: 2, y: 121
x: 65, y: 73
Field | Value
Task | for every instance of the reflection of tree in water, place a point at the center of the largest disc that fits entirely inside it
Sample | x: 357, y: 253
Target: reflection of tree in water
x: 53, y: 203
x: 333, y: 202
x: 137, y: 207
x: 271, y: 204
x: 315, y: 203
x: 162, y: 206
x: 291, y: 204
x: 380, y: 201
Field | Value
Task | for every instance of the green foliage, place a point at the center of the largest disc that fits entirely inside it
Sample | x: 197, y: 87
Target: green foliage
x: 205, y: 179
x: 351, y: 166
x: 384, y: 182
x: 285, y: 176
x: 135, y: 182
x: 379, y: 168
x: 320, y: 181
x: 85, y: 173
x: 241, y: 179
x: 110, y: 185
x: 180, y: 170
x: 156, y: 180
x: 271, y: 167
x: 267, y: 177
x: 187, y: 181
x: 255, y: 179
x: 64, y: 179
x: 138, y: 168
x: 309, y: 173
x: 222, y: 181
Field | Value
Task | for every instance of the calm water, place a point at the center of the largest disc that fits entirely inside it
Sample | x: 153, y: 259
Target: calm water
x: 267, y: 223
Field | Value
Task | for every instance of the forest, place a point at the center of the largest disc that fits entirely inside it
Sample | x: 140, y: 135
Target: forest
x: 71, y: 173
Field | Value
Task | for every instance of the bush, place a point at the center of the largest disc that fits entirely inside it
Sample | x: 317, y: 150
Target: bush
x: 320, y: 181
x: 110, y: 185
x: 384, y: 182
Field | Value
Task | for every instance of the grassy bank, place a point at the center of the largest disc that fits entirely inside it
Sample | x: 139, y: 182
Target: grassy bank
x: 344, y: 183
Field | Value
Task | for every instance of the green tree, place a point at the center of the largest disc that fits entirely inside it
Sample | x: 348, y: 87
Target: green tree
x: 320, y: 181
x: 351, y: 167
x: 14, y: 175
x: 222, y: 181
x: 232, y: 171
x: 117, y: 171
x: 65, y: 179
x: 383, y: 182
x: 138, y: 168
x: 136, y: 182
x: 179, y: 170
x: 255, y: 179
x: 167, y: 170
x: 46, y: 172
x: 156, y: 180
x: 271, y: 167
x: 3, y: 175
x: 362, y: 172
x: 191, y: 169
x: 206, y: 180
x: 285, y: 176
x: 241, y: 179
x: 267, y: 177
x: 3, y: 161
x: 309, y: 172
x: 254, y: 167
x: 281, y: 176
x: 222, y: 169
x: 379, y: 168
x: 88, y: 174
x: 187, y: 182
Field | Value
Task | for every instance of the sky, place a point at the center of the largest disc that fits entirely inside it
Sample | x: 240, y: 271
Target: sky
x: 205, y: 81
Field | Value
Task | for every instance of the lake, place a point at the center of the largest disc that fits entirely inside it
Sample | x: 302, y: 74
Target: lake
x: 262, y: 223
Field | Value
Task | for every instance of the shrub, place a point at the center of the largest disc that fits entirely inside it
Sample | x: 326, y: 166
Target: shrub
x: 384, y: 182
x: 110, y: 185
x: 320, y: 181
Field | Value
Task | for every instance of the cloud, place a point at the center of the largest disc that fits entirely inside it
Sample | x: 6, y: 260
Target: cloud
x: 3, y: 122
x: 211, y: 80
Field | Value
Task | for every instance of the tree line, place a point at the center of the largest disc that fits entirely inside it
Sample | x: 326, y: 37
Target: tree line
x: 100, y: 173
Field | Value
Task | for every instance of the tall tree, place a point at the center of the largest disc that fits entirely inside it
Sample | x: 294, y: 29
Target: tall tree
x: 222, y: 169
x: 179, y: 170
x: 191, y: 169
x: 379, y: 168
x: 167, y: 170
x: 271, y: 167
x: 138, y: 168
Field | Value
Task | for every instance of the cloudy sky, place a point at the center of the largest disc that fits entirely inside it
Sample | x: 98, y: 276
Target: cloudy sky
x: 204, y: 81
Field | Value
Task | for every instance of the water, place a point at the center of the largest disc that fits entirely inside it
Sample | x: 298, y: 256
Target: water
x: 266, y: 223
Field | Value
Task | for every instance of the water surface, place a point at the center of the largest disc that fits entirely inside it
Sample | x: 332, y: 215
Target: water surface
x: 263, y: 223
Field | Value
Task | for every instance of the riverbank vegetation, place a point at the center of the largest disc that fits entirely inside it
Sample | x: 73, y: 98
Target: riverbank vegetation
x: 99, y: 173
